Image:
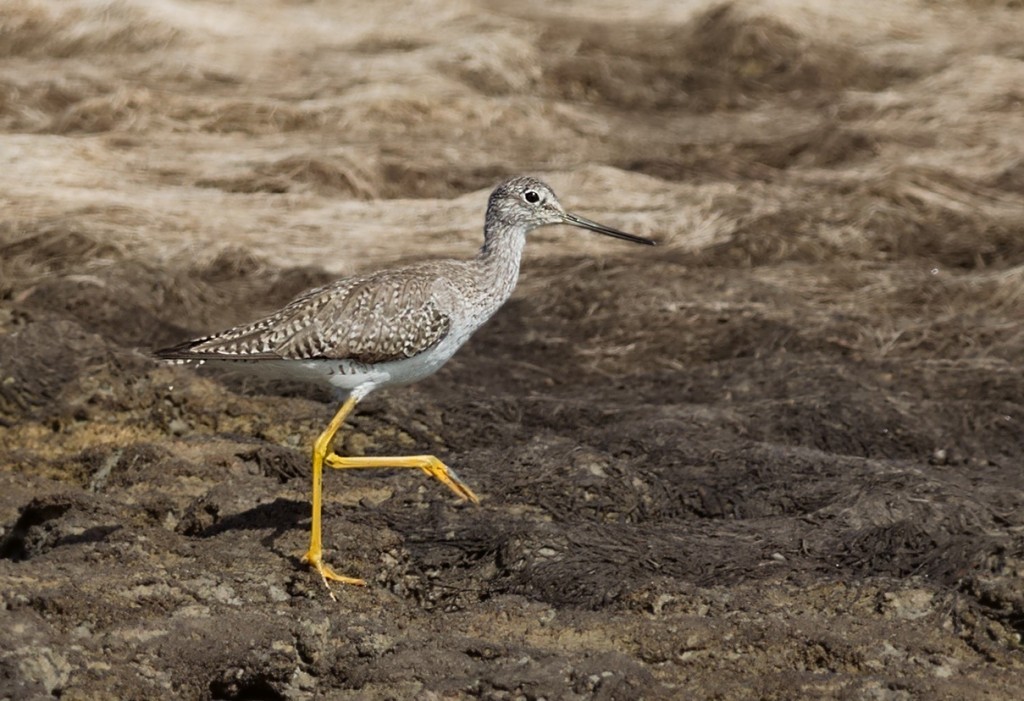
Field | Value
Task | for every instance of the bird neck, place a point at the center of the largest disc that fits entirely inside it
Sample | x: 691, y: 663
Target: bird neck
x: 501, y: 255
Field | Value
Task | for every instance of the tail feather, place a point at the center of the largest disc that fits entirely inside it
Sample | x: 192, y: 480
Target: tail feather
x: 193, y: 350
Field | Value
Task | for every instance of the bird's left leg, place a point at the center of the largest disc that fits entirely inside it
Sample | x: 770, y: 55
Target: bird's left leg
x: 314, y: 556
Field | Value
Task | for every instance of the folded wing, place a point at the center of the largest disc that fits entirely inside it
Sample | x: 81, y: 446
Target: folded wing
x: 369, y: 319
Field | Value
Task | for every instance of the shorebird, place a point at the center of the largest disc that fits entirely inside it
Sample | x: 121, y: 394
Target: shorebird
x: 388, y: 328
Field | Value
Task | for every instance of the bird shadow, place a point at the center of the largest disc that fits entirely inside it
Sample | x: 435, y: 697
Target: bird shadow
x: 276, y: 517
x: 279, y: 516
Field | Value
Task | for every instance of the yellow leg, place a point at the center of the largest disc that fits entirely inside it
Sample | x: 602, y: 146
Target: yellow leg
x: 428, y: 463
x: 314, y: 556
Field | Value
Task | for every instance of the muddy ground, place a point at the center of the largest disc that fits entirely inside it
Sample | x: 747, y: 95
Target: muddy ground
x: 778, y: 457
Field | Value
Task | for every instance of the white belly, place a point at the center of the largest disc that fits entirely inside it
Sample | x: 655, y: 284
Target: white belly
x: 346, y: 376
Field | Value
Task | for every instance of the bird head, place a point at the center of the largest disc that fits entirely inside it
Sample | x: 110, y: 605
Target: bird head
x: 525, y: 203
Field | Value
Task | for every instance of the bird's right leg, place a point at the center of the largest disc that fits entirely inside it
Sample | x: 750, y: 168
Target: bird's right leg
x: 428, y: 463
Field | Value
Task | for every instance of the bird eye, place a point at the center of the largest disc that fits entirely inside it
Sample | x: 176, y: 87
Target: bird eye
x: 531, y: 196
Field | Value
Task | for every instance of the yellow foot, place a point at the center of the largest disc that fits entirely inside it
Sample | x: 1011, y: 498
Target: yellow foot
x: 446, y: 476
x: 316, y: 561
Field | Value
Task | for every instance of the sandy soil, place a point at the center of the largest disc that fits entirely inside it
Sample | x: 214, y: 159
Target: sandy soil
x: 779, y: 457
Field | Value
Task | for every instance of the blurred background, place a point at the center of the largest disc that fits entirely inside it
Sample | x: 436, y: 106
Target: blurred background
x: 780, y: 455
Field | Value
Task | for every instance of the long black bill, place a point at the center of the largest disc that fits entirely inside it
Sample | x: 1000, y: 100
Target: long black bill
x: 576, y: 220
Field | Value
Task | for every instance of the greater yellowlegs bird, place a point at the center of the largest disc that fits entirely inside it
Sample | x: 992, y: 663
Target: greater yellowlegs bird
x: 388, y: 328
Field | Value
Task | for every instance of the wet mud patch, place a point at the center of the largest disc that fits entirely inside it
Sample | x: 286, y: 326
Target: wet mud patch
x: 642, y: 499
x: 612, y: 486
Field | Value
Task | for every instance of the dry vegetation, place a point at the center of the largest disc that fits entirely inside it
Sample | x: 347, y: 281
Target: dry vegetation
x: 779, y: 456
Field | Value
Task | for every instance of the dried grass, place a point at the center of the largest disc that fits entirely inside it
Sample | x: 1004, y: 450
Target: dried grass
x: 724, y: 58
x: 336, y: 175
x: 35, y: 29
x: 772, y: 140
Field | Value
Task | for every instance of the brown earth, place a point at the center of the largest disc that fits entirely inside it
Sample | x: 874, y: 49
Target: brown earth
x: 779, y: 457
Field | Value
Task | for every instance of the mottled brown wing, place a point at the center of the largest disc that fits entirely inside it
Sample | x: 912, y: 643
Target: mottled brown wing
x: 382, y: 317
x: 375, y: 318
